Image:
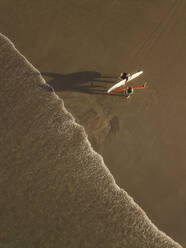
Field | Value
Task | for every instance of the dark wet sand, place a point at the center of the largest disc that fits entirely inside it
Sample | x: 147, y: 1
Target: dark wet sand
x: 146, y: 151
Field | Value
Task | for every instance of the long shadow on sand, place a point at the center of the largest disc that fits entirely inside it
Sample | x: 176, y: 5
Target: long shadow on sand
x: 90, y: 82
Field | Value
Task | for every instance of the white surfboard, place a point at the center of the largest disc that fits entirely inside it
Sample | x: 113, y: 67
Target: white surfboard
x: 123, y: 82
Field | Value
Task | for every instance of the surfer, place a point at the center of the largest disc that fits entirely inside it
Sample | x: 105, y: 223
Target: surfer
x: 124, y: 75
x: 130, y: 90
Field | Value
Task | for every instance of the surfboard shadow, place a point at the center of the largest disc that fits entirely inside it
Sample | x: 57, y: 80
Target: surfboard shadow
x: 90, y: 82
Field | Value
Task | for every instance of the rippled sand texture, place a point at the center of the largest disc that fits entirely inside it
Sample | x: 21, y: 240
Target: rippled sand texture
x: 55, y: 189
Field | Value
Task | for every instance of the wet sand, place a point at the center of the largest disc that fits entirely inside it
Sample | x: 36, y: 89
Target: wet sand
x: 143, y: 142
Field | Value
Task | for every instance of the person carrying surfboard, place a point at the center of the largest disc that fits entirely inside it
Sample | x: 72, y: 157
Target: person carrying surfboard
x: 124, y: 75
x: 124, y: 78
x: 129, y: 90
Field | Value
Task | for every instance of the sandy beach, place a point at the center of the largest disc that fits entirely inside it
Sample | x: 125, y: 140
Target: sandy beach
x: 80, y: 48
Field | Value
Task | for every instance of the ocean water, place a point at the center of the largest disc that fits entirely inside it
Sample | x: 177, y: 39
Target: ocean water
x: 55, y: 190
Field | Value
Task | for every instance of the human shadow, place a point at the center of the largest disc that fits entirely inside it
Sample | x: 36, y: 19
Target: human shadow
x: 90, y: 82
